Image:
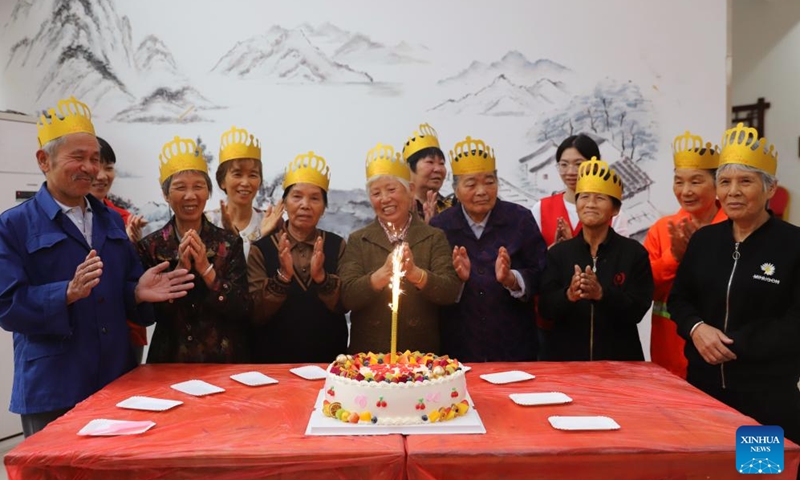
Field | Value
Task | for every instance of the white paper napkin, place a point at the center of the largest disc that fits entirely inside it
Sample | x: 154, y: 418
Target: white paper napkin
x: 584, y: 423
x: 148, y: 403
x: 197, y: 388
x: 540, y: 398
x: 105, y: 427
x: 310, y: 372
x: 507, y: 377
x: 253, y: 379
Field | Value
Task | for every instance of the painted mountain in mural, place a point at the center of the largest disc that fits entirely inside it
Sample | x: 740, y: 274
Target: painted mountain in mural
x: 285, y: 56
x: 326, y: 36
x: 167, y: 105
x: 80, y: 48
x: 170, y: 97
x: 515, y: 67
x: 360, y: 49
x: 153, y: 54
x: 85, y: 49
x: 502, y: 98
x: 511, y: 86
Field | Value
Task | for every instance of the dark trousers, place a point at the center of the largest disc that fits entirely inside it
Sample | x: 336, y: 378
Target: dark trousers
x: 33, y: 422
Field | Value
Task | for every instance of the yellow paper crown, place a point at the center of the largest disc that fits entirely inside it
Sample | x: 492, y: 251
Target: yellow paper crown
x: 382, y: 160
x: 686, y: 150
x: 237, y: 143
x: 179, y: 155
x: 425, y: 138
x: 73, y: 116
x: 472, y: 156
x: 741, y: 145
x: 595, y: 176
x: 308, y: 168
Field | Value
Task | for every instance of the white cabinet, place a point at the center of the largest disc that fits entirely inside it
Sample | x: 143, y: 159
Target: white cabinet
x: 18, y: 173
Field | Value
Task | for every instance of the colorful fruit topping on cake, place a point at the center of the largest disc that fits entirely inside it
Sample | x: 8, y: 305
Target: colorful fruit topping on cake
x: 409, y: 367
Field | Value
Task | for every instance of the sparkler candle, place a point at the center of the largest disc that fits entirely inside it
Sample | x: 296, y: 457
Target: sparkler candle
x: 397, y: 274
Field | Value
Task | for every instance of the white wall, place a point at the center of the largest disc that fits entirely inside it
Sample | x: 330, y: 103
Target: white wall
x: 766, y: 63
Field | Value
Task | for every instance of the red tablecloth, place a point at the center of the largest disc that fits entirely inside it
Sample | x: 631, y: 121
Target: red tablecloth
x: 243, y: 433
x: 669, y: 430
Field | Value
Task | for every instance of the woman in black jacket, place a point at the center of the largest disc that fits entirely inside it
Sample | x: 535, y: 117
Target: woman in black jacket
x: 736, y: 296
x: 598, y: 285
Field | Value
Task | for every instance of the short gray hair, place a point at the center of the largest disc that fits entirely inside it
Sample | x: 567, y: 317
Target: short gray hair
x: 165, y: 186
x: 375, y: 178
x: 51, y: 147
x: 767, y: 180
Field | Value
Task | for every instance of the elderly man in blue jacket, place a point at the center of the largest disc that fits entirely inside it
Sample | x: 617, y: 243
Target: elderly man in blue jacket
x: 70, y: 277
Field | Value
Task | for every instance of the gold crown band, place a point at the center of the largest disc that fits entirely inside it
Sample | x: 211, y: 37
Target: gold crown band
x: 179, y: 155
x: 472, y: 156
x: 307, y: 168
x: 73, y: 116
x: 742, y: 146
x: 424, y: 138
x: 238, y: 143
x: 595, y: 176
x: 382, y: 160
x: 688, y: 151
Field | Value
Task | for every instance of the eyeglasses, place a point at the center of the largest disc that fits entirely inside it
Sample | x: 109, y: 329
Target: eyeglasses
x: 564, y: 166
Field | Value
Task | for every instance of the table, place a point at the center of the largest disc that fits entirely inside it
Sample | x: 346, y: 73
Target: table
x: 669, y: 430
x: 245, y: 432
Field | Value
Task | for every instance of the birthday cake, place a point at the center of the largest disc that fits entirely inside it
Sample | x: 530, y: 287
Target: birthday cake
x: 415, y: 388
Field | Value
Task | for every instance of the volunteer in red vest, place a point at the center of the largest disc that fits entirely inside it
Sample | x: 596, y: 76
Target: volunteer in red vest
x: 557, y: 215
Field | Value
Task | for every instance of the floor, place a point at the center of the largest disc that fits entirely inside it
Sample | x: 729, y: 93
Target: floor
x: 5, y: 446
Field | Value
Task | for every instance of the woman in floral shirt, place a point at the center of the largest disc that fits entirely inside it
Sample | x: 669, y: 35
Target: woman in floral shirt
x: 207, y: 325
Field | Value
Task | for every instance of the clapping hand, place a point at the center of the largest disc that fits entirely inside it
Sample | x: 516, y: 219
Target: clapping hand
x: 87, y: 276
x: 563, y: 230
x: 429, y: 207
x: 227, y: 223
x: 272, y: 217
x: 680, y: 235
x: 156, y: 286
x: 461, y: 263
x: 318, y: 262
x: 590, y: 285
x: 502, y: 270
x: 134, y: 227
x: 574, y: 290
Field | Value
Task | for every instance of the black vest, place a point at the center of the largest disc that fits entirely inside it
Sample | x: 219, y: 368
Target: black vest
x: 303, y: 330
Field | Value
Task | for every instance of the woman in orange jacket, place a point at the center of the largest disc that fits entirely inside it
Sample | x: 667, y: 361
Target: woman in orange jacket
x: 666, y: 241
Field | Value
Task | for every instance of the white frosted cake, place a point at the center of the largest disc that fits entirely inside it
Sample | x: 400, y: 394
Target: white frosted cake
x: 416, y: 388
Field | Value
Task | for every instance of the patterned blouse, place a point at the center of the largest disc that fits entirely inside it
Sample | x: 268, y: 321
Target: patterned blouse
x: 209, y: 324
x: 249, y: 234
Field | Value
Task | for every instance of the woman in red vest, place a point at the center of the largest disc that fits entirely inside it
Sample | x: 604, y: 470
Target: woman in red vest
x: 557, y: 215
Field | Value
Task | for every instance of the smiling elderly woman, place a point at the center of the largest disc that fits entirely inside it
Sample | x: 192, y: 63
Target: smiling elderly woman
x: 366, y: 269
x: 598, y: 285
x: 736, y: 296
x: 206, y: 326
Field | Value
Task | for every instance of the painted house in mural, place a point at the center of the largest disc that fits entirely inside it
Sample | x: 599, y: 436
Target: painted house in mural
x: 539, y: 178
